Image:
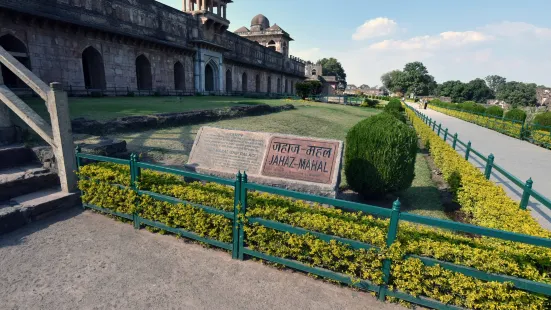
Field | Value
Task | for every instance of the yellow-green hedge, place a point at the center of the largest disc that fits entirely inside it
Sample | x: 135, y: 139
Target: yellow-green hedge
x: 409, y: 275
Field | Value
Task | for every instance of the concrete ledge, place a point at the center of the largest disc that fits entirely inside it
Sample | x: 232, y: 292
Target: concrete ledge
x: 146, y: 122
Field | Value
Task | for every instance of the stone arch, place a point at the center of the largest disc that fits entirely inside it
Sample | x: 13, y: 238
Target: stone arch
x: 278, y: 87
x: 211, y: 76
x: 271, y: 45
x: 179, y: 76
x: 144, y: 79
x: 314, y: 72
x: 257, y: 80
x: 269, y: 84
x: 229, y: 81
x: 93, y: 69
x: 18, y: 49
x: 244, y: 85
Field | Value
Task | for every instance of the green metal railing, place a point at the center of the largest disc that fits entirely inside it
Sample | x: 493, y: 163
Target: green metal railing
x: 525, y: 187
x: 531, y: 132
x: 239, y: 248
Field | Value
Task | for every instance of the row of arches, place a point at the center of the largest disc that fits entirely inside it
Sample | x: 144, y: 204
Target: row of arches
x: 245, y: 87
x: 93, y: 68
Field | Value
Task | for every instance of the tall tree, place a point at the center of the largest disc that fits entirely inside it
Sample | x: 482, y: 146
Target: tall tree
x: 416, y: 79
x: 393, y: 81
x: 477, y: 90
x: 332, y: 67
x: 453, y: 89
x: 518, y: 94
x: 494, y: 82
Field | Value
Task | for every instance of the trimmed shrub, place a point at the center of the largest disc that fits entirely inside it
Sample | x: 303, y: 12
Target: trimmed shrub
x: 495, y: 111
x: 471, y: 106
x: 398, y: 115
x: 130, y: 94
x: 543, y: 119
x: 380, y: 156
x: 394, y: 104
x: 369, y: 102
x: 516, y: 115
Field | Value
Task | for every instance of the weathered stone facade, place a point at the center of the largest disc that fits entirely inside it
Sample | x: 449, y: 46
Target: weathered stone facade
x: 137, y: 44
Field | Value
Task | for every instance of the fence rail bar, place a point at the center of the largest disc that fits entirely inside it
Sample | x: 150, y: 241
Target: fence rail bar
x: 173, y: 200
x: 472, y: 229
x: 423, y: 301
x: 186, y: 173
x: 104, y: 159
x: 363, y: 284
x: 523, y: 284
x: 185, y: 233
x: 323, y: 200
x: 301, y: 231
x: 509, y: 176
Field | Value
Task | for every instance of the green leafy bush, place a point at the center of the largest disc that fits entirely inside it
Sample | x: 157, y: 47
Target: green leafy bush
x: 543, y: 119
x: 308, y: 88
x: 516, y: 115
x: 367, y: 102
x: 394, y: 104
x: 380, y: 156
x: 495, y: 111
x: 398, y: 115
x: 130, y: 94
x: 471, y: 106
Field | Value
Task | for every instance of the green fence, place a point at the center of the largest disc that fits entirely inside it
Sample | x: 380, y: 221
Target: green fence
x: 239, y: 249
x: 533, y: 133
x: 525, y: 187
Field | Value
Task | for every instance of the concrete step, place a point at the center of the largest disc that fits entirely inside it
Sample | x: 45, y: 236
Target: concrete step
x: 24, y: 209
x: 15, y: 155
x: 23, y: 180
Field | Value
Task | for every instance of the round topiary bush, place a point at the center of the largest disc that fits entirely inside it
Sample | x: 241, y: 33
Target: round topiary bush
x: 394, y: 104
x: 543, y: 119
x: 471, y: 106
x: 380, y: 156
x: 495, y: 111
x: 516, y: 115
x: 398, y: 115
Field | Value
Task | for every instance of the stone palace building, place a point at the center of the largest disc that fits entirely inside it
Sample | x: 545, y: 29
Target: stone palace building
x: 143, y: 44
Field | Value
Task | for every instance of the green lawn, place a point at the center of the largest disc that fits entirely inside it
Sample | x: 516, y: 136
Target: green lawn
x: 172, y: 146
x: 111, y: 107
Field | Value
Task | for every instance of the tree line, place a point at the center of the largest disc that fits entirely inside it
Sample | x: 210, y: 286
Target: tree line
x: 415, y: 79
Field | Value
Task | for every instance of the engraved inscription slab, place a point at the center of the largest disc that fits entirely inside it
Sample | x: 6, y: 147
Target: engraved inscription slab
x: 228, y: 150
x: 301, y: 159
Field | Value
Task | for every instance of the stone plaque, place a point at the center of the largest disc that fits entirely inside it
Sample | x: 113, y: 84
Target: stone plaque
x: 297, y: 163
x: 228, y: 150
x: 300, y: 159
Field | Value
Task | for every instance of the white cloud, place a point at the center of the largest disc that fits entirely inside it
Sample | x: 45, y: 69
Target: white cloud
x: 311, y: 54
x: 516, y: 29
x: 377, y: 27
x: 447, y: 39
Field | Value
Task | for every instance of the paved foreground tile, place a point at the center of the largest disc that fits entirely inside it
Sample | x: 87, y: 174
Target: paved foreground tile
x: 83, y: 260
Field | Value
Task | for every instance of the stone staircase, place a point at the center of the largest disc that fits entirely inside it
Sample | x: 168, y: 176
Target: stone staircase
x: 28, y: 191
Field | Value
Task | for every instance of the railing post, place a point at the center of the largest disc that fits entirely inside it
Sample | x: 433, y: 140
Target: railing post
x: 489, y: 166
x: 439, y: 128
x: 526, y: 194
x: 468, y: 151
x: 242, y: 212
x: 64, y: 150
x: 79, y: 164
x: 236, y: 206
x: 391, y: 237
x: 454, y: 144
x: 134, y: 178
x: 434, y: 126
x: 446, y: 135
x: 521, y: 134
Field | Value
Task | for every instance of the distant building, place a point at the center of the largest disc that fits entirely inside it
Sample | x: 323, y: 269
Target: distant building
x: 314, y: 72
x: 543, y: 96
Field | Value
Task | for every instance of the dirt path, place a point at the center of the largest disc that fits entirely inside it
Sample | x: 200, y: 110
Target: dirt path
x: 82, y: 260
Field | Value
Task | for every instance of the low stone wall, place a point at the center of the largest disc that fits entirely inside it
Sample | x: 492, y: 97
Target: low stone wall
x: 146, y: 122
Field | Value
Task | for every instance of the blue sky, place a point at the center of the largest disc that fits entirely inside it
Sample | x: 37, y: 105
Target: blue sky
x: 456, y: 40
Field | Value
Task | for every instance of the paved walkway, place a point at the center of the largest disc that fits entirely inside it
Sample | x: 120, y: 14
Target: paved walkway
x: 520, y: 158
x: 83, y: 260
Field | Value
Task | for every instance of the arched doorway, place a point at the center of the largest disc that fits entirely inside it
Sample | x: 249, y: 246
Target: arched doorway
x: 269, y: 84
x: 272, y: 45
x: 179, y: 76
x: 229, y: 86
x: 286, y: 86
x: 292, y: 88
x: 257, y: 83
x: 18, y: 49
x: 278, y: 89
x: 244, y: 82
x: 211, y: 76
x: 143, y: 73
x: 92, y: 68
